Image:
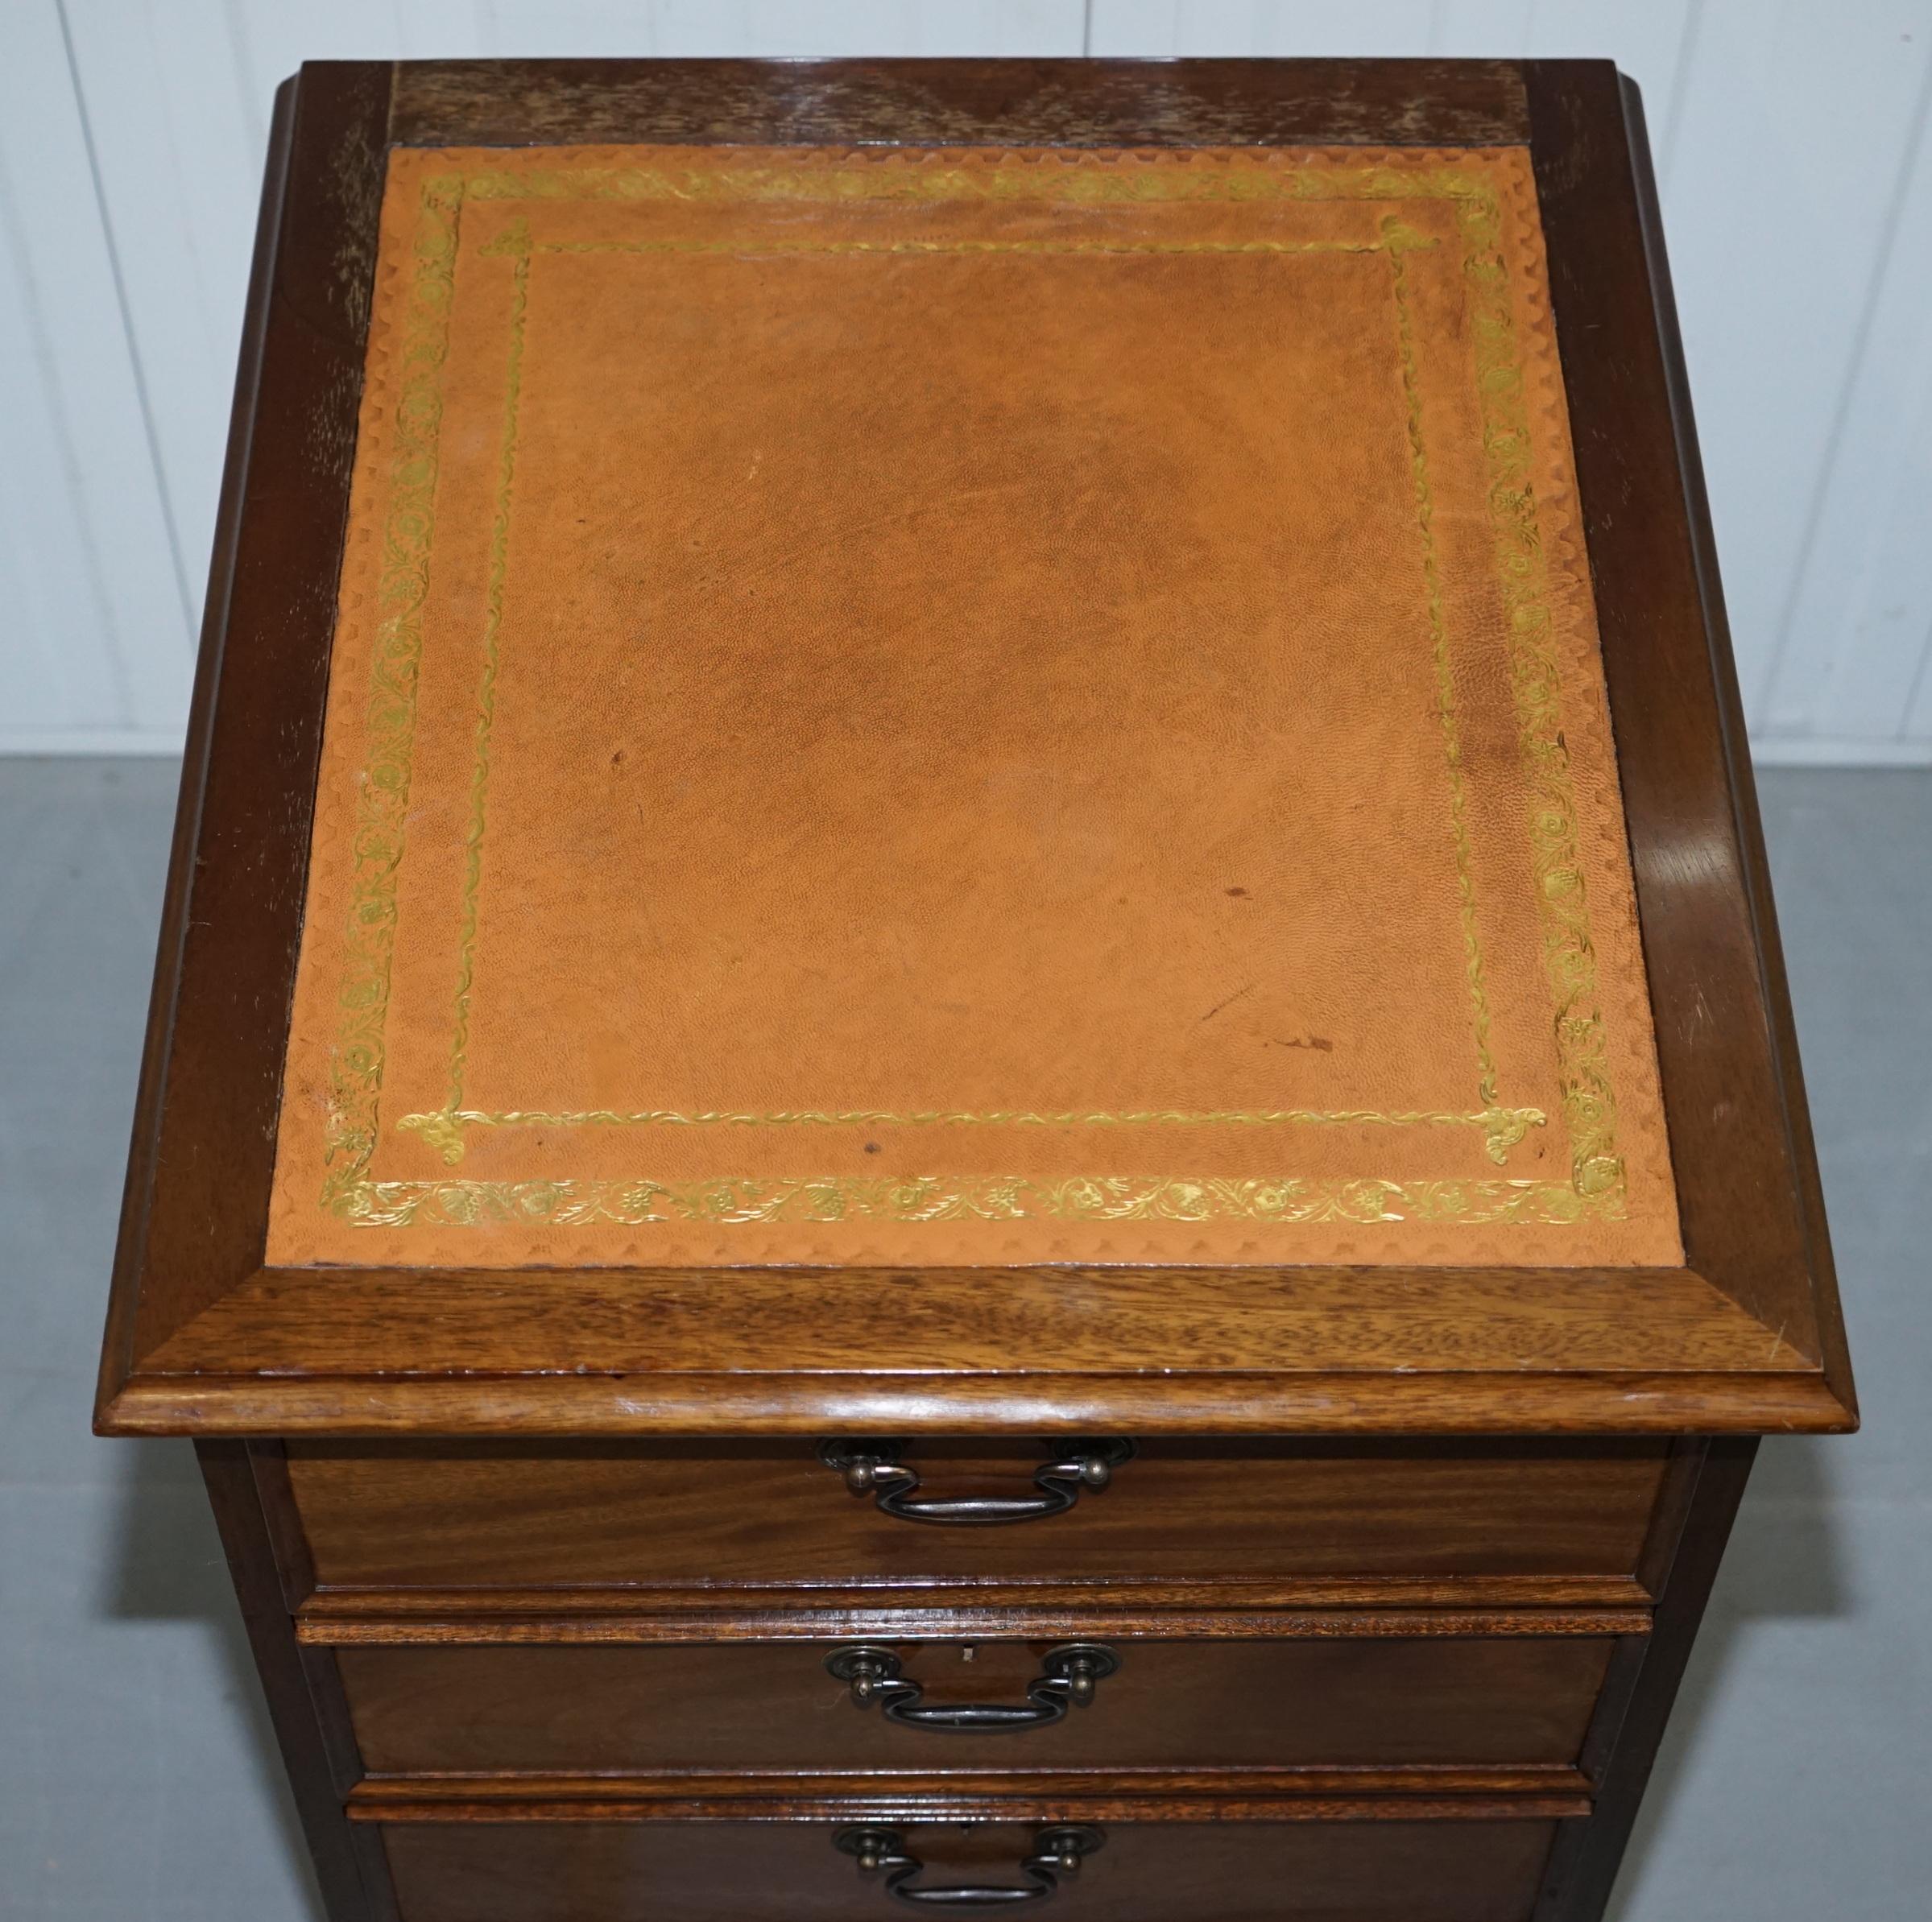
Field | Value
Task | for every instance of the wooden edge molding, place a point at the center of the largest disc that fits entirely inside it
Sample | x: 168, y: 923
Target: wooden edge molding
x: 883, y: 1804
x: 954, y: 1624
x: 1252, y: 1403
x: 1354, y: 1782
x: 785, y: 1605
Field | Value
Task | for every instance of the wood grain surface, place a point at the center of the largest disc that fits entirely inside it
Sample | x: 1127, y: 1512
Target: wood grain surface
x: 718, y: 1515
x: 963, y: 102
x: 735, y: 1707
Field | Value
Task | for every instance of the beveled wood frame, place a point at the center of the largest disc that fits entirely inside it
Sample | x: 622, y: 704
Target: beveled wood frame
x: 204, y: 1337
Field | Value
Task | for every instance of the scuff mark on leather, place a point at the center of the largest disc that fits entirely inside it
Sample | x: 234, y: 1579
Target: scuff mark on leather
x: 1220, y: 1004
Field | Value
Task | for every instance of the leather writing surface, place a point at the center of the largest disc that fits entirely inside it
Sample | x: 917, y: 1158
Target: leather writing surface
x: 967, y: 707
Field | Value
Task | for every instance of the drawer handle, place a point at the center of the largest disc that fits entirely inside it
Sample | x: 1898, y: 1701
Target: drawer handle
x: 874, y: 1468
x: 1070, y: 1676
x: 1056, y: 1852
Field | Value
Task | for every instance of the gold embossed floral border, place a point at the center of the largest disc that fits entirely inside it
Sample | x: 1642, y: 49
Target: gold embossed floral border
x: 1596, y: 1186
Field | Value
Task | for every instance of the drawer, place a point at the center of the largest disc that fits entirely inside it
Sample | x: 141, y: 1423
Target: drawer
x: 1465, y: 1871
x: 771, y: 1513
x: 773, y: 1706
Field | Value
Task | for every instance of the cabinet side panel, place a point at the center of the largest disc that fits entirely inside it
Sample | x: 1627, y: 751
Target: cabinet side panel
x: 1589, y: 1850
x: 304, y: 1691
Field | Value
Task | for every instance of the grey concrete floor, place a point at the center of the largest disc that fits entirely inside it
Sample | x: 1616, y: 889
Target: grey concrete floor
x: 138, y: 1781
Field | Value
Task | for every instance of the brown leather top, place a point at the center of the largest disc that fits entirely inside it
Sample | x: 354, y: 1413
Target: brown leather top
x: 901, y: 706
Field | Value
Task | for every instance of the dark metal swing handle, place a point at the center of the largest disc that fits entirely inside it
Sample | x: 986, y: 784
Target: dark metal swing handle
x: 874, y: 1467
x: 1056, y: 1852
x: 1068, y: 1680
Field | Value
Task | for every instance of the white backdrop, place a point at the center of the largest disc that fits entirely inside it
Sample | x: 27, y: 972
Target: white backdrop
x: 1797, y: 183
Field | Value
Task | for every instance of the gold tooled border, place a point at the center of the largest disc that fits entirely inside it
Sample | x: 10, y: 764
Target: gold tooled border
x: 1597, y: 1184
x: 730, y: 1201
x: 381, y: 804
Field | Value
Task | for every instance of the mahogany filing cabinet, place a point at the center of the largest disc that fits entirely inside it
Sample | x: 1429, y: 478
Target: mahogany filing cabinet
x: 969, y: 1083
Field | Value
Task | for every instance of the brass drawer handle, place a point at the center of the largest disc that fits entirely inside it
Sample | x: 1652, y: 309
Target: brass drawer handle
x: 1070, y: 1676
x: 1056, y: 1851
x: 874, y: 1467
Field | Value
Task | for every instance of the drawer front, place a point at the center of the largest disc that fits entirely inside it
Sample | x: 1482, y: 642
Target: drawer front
x: 774, y: 1706
x: 769, y: 1512
x: 1481, y: 1870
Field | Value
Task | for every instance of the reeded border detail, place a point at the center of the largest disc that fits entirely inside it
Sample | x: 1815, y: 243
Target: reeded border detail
x: 1597, y: 1187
